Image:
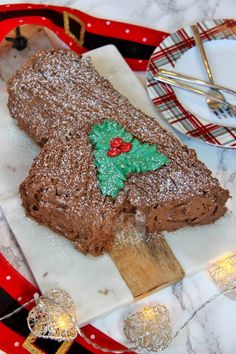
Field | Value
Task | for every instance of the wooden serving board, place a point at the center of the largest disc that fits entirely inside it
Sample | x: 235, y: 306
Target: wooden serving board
x: 148, y: 266
x: 139, y: 263
x: 144, y: 260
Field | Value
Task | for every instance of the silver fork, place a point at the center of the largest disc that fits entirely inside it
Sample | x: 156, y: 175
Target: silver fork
x: 219, y: 109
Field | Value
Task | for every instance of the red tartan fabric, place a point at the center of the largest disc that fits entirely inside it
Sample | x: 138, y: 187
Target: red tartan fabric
x: 19, y: 289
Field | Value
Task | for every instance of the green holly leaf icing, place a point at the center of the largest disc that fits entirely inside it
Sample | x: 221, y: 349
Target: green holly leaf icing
x: 113, y: 171
x: 102, y: 134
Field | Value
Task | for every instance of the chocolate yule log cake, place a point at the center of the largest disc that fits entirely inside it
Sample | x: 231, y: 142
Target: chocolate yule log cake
x: 101, y: 157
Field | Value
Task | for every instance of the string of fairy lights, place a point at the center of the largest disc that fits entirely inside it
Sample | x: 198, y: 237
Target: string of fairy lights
x: 54, y: 315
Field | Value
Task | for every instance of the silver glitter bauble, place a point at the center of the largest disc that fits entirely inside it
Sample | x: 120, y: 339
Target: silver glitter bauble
x: 223, y: 272
x: 150, y: 328
x: 54, y: 317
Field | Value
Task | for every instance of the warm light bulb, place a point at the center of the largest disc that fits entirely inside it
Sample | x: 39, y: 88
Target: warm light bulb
x: 149, y: 313
x: 63, y: 322
x: 227, y: 266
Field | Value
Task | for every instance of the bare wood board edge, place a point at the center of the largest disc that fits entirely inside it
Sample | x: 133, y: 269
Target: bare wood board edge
x: 147, y: 266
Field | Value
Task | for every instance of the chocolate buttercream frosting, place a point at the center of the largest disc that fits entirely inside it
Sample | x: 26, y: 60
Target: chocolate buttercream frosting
x: 57, y: 97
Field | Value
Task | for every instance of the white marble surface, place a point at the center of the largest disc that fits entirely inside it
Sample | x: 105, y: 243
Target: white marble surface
x: 166, y: 15
x: 213, y: 331
x: 17, y: 151
x: 9, y: 248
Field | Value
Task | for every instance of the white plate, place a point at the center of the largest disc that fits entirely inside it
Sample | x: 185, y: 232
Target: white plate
x: 186, y: 112
x: 221, y: 55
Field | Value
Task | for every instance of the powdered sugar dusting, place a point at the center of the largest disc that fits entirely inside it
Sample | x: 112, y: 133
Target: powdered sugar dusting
x: 58, y: 97
x: 129, y: 232
x: 129, y: 237
x: 57, y: 91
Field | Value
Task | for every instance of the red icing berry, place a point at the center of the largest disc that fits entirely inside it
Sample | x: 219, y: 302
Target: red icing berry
x: 113, y: 152
x: 126, y: 147
x: 116, y: 143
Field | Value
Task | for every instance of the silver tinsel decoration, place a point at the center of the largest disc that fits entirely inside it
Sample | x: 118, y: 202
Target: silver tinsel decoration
x: 53, y: 317
x: 149, y: 328
x: 223, y: 272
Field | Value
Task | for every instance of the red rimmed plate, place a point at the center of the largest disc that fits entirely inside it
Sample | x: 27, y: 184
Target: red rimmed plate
x: 164, y: 97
